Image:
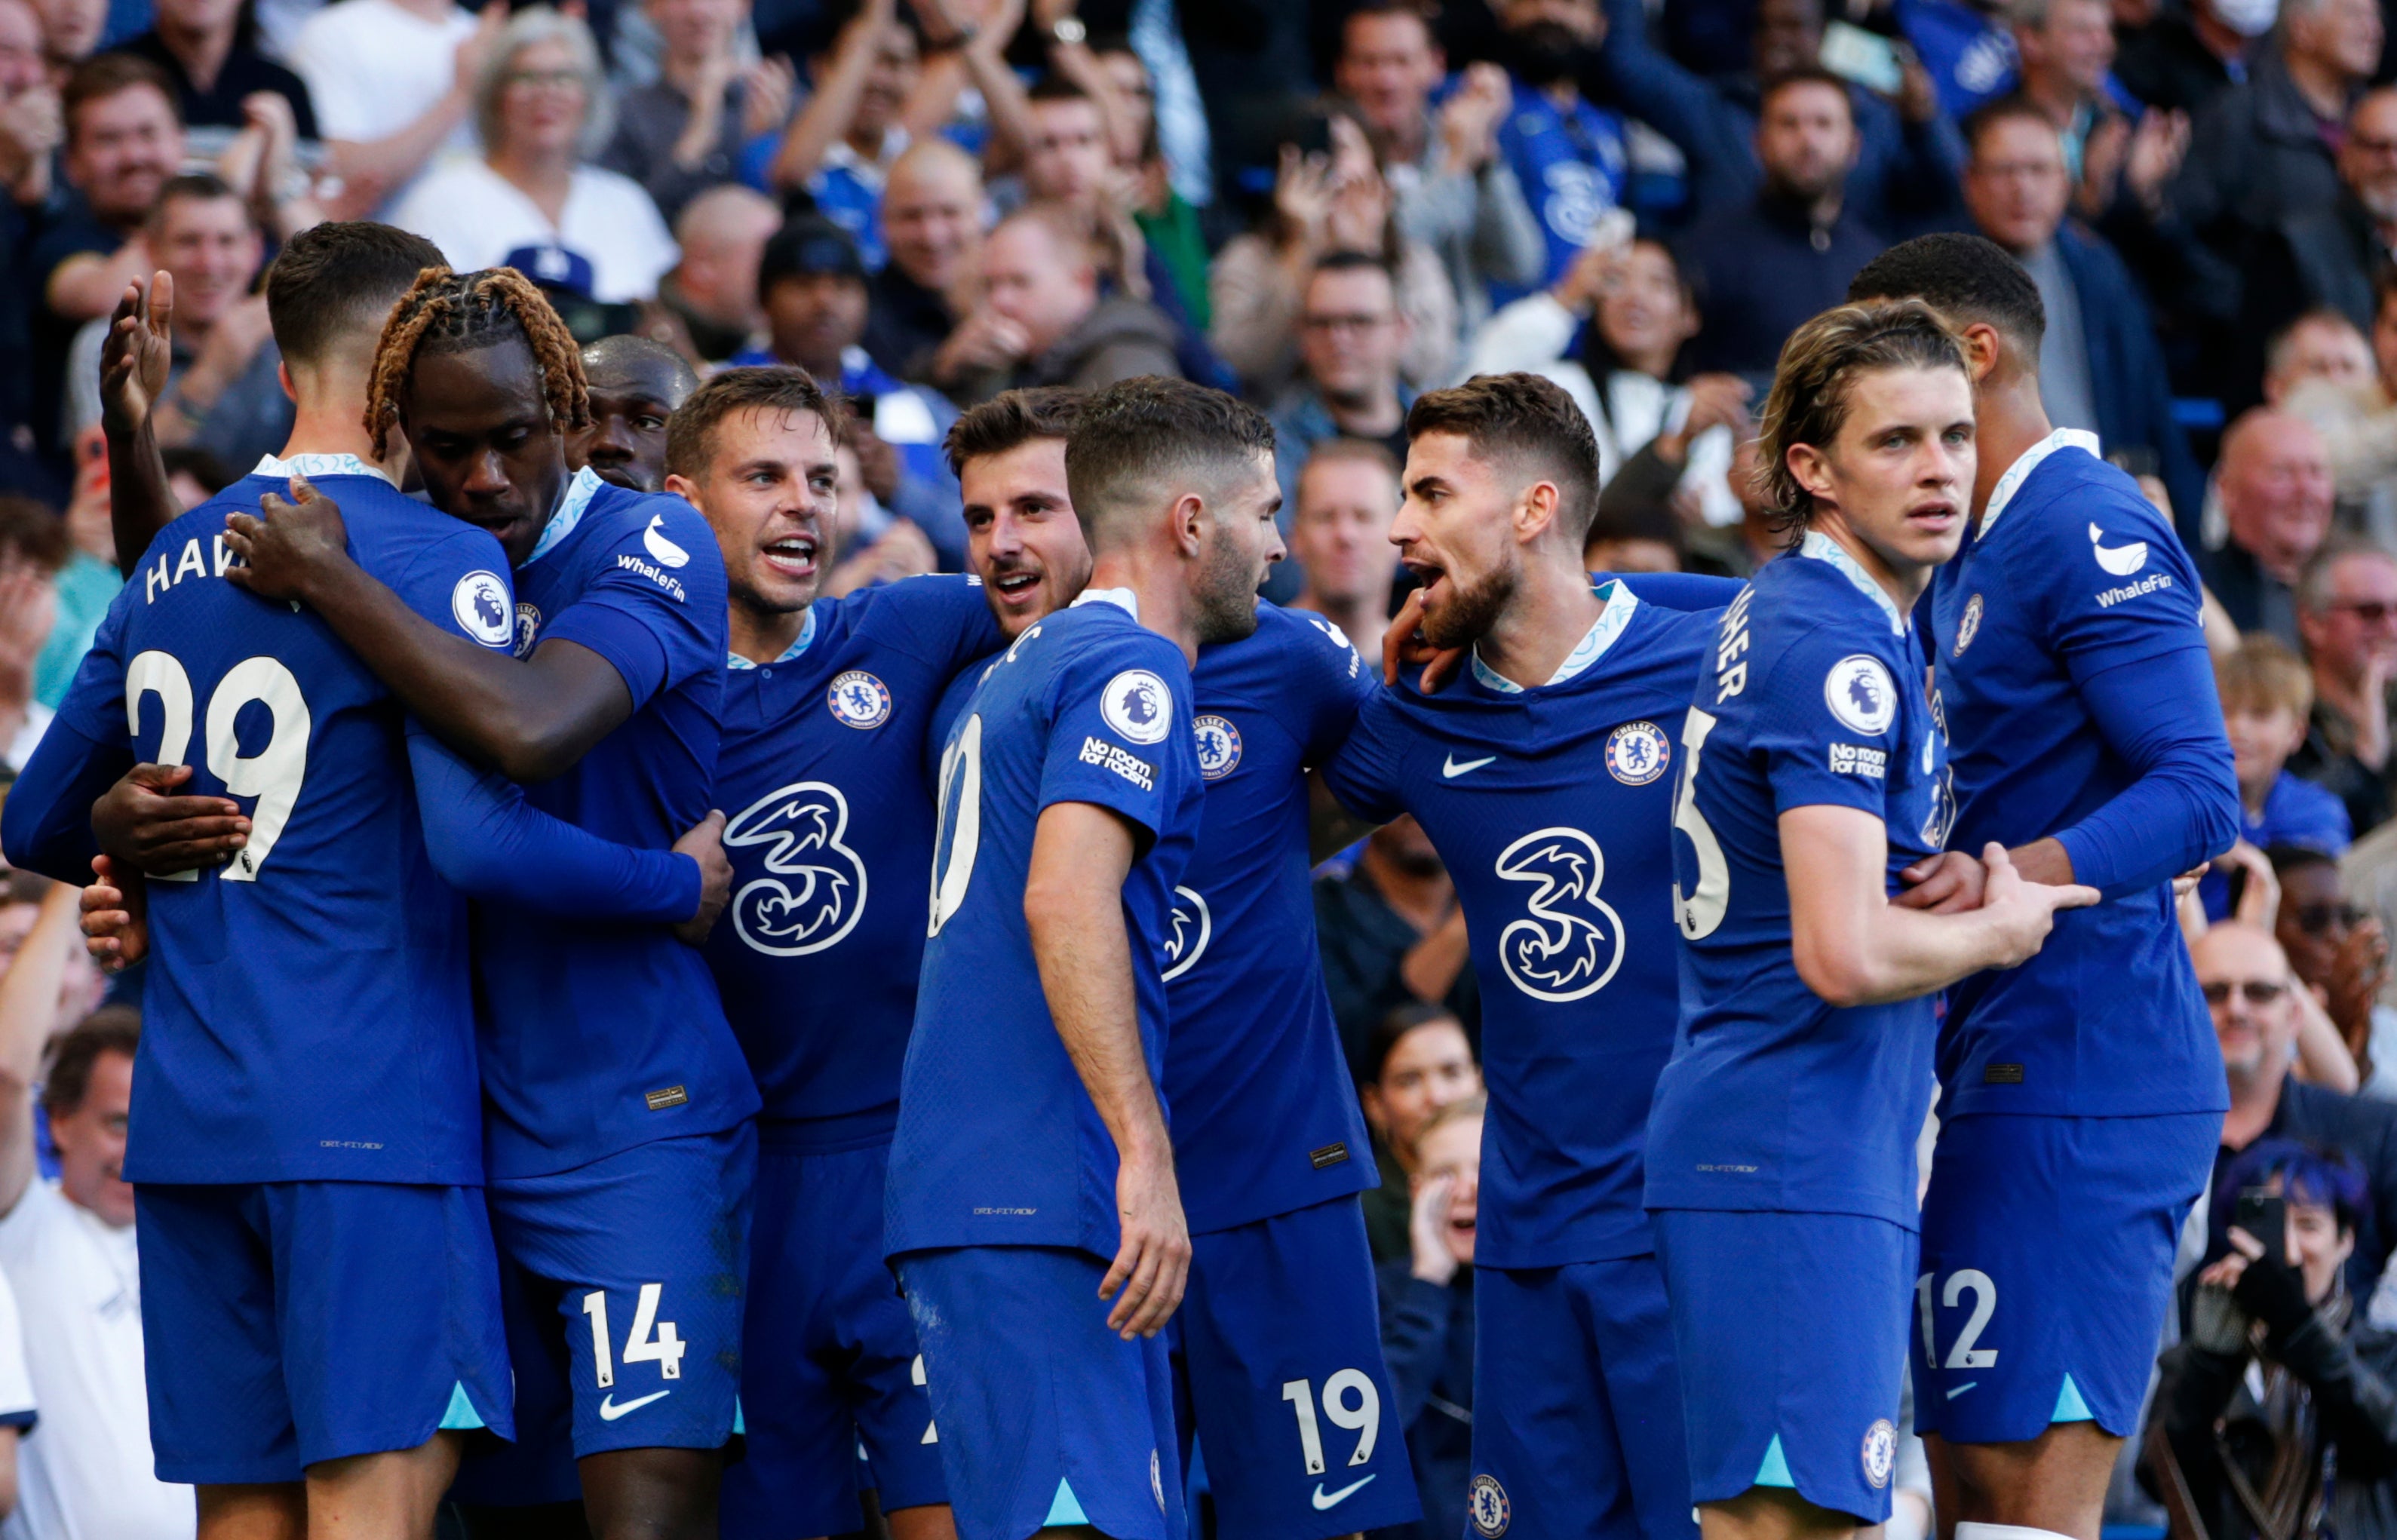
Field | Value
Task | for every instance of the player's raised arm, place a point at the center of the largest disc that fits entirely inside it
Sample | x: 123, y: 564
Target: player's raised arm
x: 1073, y: 905
x: 133, y: 363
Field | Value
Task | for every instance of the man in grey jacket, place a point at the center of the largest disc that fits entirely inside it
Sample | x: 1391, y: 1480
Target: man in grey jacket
x: 1454, y: 192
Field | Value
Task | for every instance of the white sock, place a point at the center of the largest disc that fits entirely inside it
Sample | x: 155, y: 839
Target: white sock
x: 2005, y: 1532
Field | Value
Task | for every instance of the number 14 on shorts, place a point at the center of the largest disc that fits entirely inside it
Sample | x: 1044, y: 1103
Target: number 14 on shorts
x: 652, y: 1341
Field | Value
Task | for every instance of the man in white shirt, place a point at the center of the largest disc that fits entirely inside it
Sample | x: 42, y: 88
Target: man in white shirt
x: 393, y: 82
x: 66, y: 1251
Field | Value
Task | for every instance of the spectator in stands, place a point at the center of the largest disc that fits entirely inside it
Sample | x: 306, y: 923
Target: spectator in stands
x: 2266, y: 697
x: 838, y: 150
x: 202, y: 47
x: 1629, y: 379
x: 1966, y: 46
x: 542, y: 107
x: 2340, y: 954
x: 707, y: 303
x: 1630, y: 534
x: 932, y: 226
x: 1391, y: 932
x: 2326, y: 255
x: 2358, y: 422
x: 67, y: 1248
x: 1909, y: 155
x: 1169, y: 224
x: 30, y: 131
x: 2250, y: 989
x: 1352, y: 338
x: 84, y: 588
x: 2275, y: 481
x: 1452, y: 188
x: 1427, y: 1320
x: 71, y: 31
x: 2347, y: 612
x: 688, y: 129
x: 1042, y: 320
x: 123, y: 141
x: 33, y: 549
x: 2186, y: 58
x: 392, y: 83
x: 1335, y: 201
x: 1417, y: 1061
x: 2320, y: 345
x: 2262, y: 149
x: 2065, y: 47
x: 2278, y: 1380
x: 222, y: 392
x: 1762, y: 267
x: 2099, y: 366
x: 1339, y: 538
x: 813, y: 284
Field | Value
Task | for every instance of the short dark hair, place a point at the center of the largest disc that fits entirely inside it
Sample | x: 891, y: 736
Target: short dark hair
x: 1053, y: 87
x: 337, y: 282
x: 200, y: 464
x: 1966, y: 278
x: 29, y: 531
x: 2285, y: 859
x: 104, y: 75
x: 1816, y: 382
x: 199, y: 187
x: 1525, y: 419
x: 1387, y: 1032
x: 1139, y: 436
x: 1804, y: 74
x: 691, y: 432
x: 1412, y: 10
x: 1010, y: 419
x: 109, y: 1029
x: 2005, y: 109
x: 624, y: 349
x: 1353, y: 262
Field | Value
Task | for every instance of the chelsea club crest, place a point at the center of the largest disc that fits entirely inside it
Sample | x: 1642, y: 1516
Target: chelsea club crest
x: 1486, y: 1506
x: 1636, y: 752
x: 1968, y: 625
x: 859, y: 700
x: 1219, y: 746
x: 1880, y: 1453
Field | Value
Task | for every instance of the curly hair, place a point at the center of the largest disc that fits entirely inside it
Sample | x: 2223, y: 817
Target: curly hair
x: 448, y: 312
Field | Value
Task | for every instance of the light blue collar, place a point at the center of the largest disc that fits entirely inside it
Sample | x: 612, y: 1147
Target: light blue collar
x: 571, y: 509
x: 314, y: 466
x: 1620, y: 603
x: 1122, y: 599
x: 2032, y: 457
x: 807, y: 636
x: 1823, y: 548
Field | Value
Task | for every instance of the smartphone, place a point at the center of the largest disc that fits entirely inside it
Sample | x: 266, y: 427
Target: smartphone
x: 1863, y: 57
x: 2264, y: 1214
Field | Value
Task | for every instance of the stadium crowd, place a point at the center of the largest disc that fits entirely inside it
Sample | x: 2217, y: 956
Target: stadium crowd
x: 1330, y: 211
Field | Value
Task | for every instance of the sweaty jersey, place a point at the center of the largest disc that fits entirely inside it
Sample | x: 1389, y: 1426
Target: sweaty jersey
x: 1265, y: 1116
x: 999, y: 1144
x: 308, y: 1014
x: 1774, y: 1099
x: 1553, y: 809
x: 2074, y: 592
x: 599, y: 1037
x: 822, y: 778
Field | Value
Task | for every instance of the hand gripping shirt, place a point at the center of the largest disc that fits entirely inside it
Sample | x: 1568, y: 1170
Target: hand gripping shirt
x: 1265, y: 1116
x: 597, y: 1038
x: 2081, y: 704
x: 998, y: 1144
x: 1775, y: 1100
x: 1552, y: 807
x: 308, y: 1014
x: 823, y: 780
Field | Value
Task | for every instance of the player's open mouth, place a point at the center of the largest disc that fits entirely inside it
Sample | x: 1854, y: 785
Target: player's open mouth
x: 792, y: 555
x: 1016, y: 585
x: 1430, y: 578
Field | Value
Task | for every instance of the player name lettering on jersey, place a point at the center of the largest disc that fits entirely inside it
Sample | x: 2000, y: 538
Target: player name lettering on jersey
x: 1731, y: 666
x: 158, y: 577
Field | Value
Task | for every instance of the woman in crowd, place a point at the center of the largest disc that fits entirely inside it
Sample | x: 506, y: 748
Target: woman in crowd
x: 542, y: 109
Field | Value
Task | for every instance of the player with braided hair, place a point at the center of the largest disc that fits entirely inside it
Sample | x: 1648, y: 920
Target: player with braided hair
x: 619, y: 1138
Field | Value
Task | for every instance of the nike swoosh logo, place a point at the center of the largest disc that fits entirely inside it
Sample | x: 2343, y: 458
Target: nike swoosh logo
x: 1450, y: 770
x: 610, y: 1411
x: 1333, y: 1499
x: 1961, y: 1389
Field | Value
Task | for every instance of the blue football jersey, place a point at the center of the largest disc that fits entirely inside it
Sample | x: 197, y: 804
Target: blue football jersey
x: 1265, y: 1116
x: 822, y: 779
x: 597, y: 1038
x: 2071, y: 575
x: 1816, y: 696
x: 1573, y: 163
x: 1553, y: 809
x: 308, y: 1012
x: 998, y: 1144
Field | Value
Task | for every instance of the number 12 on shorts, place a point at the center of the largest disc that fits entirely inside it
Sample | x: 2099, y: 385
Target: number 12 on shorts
x: 654, y: 1341
x: 1364, y: 1419
x: 1966, y: 1351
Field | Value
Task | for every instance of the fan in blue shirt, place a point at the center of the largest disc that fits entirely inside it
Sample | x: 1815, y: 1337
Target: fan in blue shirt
x: 1543, y: 779
x: 826, y: 708
x: 1814, y: 778
x: 618, y: 1103
x: 1035, y: 1219
x: 2082, y: 1094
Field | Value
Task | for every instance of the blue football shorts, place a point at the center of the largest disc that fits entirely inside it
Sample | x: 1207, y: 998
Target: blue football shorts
x: 291, y: 1322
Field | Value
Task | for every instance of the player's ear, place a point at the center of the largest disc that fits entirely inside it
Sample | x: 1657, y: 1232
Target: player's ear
x: 1191, y: 517
x: 1535, y: 510
x: 684, y: 487
x: 1983, y: 347
x: 1813, y: 469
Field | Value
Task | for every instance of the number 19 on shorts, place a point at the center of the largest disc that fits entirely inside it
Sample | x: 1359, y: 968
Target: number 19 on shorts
x: 1364, y: 1418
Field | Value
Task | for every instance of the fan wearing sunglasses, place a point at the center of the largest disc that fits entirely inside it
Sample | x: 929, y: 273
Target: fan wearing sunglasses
x: 2254, y: 997
x: 2340, y: 951
x: 2347, y: 612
